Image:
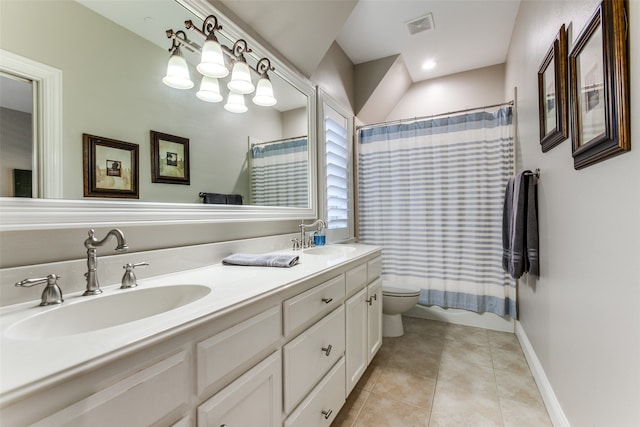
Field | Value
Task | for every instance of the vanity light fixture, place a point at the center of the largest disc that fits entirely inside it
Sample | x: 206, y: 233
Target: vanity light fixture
x: 264, y: 88
x: 177, y: 70
x: 213, y: 67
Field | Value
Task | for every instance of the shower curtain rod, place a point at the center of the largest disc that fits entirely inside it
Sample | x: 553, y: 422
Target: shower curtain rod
x: 415, y: 119
x: 253, y: 144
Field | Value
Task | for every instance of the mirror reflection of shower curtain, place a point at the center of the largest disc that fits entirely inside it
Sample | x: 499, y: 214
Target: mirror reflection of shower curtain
x: 279, y: 173
x: 431, y: 193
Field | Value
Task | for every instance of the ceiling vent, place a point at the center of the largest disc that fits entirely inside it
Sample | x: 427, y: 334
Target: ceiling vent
x: 418, y: 25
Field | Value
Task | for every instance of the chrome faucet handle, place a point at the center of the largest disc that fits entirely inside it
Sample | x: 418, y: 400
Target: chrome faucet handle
x: 52, y: 294
x: 297, y: 244
x: 129, y: 279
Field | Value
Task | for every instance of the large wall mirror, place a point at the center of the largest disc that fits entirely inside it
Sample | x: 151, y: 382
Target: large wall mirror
x: 112, y: 57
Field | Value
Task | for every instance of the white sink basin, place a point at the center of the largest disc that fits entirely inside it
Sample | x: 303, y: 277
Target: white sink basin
x: 330, y: 250
x: 93, y: 313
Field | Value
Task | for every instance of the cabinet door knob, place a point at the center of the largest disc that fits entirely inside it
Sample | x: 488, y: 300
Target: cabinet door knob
x: 327, y: 300
x: 372, y: 299
x: 327, y: 350
x: 327, y: 414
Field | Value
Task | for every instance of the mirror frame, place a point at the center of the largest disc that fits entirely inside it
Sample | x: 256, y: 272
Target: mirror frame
x: 53, y: 213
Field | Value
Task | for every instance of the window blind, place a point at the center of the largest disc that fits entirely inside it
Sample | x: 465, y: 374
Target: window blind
x: 337, y: 167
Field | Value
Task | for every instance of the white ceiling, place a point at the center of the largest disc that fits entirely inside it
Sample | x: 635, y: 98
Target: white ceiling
x: 468, y: 34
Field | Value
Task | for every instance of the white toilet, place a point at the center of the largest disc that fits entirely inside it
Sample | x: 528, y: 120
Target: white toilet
x: 395, y: 301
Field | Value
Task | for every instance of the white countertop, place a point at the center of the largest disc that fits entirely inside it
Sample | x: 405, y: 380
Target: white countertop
x: 28, y: 365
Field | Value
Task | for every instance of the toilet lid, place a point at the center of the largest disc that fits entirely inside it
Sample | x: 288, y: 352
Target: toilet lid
x: 399, y: 292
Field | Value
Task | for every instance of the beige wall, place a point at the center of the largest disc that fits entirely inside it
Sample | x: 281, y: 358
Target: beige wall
x: 470, y: 89
x: 335, y: 76
x: 583, y: 314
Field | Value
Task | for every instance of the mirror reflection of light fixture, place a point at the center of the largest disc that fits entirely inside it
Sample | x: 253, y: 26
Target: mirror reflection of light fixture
x: 177, y: 70
x: 264, y: 89
x: 212, y: 59
x: 235, y: 103
x: 213, y: 67
x: 240, y: 75
x: 209, y: 90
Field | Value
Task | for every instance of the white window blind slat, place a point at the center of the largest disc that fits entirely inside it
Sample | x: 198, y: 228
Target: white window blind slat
x: 337, y: 172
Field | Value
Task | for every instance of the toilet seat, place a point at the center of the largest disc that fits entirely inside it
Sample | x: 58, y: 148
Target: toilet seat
x: 392, y: 291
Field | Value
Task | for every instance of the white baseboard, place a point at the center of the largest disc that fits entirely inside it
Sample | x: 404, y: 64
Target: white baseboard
x: 556, y: 413
x: 463, y: 317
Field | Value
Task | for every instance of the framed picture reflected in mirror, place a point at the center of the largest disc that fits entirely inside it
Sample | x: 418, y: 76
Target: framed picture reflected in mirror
x: 110, y: 167
x: 169, y: 159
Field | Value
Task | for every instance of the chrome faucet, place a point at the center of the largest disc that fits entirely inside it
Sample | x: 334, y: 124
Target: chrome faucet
x: 52, y: 294
x: 93, y: 286
x: 303, y: 237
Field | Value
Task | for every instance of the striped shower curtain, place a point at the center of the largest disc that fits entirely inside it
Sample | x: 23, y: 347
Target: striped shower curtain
x: 279, y: 173
x: 431, y: 193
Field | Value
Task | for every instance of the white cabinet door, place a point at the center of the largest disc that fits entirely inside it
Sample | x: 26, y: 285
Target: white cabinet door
x: 254, y: 399
x: 356, y: 350
x: 374, y: 314
x: 144, y: 398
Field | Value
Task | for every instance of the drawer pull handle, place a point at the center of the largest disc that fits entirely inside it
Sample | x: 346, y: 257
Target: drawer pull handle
x: 327, y: 414
x: 327, y: 350
x: 327, y: 300
x: 373, y: 298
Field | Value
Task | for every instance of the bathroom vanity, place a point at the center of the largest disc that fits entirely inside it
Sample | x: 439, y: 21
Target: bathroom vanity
x: 249, y: 346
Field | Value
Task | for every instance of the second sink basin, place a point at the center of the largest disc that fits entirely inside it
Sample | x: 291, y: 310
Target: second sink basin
x: 330, y: 250
x: 94, y: 313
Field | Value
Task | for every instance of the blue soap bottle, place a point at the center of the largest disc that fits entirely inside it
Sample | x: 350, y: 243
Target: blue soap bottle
x: 319, y: 238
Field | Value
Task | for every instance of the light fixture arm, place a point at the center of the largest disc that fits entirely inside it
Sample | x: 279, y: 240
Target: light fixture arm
x: 179, y: 38
x: 209, y: 25
x: 239, y: 48
x: 263, y: 66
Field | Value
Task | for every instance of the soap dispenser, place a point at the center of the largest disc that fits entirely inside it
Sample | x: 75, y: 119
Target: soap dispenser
x: 319, y: 238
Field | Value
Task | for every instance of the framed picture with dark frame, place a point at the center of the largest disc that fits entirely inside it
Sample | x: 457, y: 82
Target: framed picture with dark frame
x: 599, y: 74
x: 169, y: 159
x: 552, y: 94
x: 110, y: 167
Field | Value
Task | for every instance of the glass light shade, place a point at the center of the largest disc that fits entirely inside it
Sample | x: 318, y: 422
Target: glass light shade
x: 235, y: 103
x: 264, y: 93
x: 212, y: 60
x: 209, y: 90
x: 241, y: 78
x: 177, y: 72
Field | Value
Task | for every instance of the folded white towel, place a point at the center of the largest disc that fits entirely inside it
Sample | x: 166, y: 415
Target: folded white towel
x: 268, y: 260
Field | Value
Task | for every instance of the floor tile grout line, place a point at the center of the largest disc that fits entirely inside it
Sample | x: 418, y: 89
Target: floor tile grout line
x: 355, y: 420
x: 435, y: 386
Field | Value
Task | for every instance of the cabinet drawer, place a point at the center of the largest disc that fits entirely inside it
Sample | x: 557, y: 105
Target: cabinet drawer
x: 308, y: 357
x: 320, y: 408
x: 144, y: 398
x: 219, y: 355
x: 356, y: 279
x: 318, y: 300
x: 374, y: 269
x: 254, y: 399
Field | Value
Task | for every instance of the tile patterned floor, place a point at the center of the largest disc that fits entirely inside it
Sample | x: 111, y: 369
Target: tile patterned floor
x: 442, y: 375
